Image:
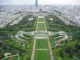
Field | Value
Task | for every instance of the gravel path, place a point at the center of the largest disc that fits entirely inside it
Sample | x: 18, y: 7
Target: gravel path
x: 33, y: 51
x: 41, y: 49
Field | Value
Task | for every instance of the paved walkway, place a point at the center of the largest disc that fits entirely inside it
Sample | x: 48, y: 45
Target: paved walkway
x: 11, y: 56
x: 33, y: 51
x: 41, y: 49
x: 50, y: 50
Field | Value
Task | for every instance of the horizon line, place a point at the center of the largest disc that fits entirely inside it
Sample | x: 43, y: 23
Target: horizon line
x: 40, y: 4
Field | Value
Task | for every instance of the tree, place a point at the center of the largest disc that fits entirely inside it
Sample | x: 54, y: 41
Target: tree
x: 69, y: 50
x: 61, y: 54
x: 1, y: 55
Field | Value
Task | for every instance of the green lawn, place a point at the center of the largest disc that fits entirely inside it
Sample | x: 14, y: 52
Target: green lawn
x: 42, y: 55
x: 41, y: 43
x: 40, y: 20
x: 41, y: 26
x: 47, y: 25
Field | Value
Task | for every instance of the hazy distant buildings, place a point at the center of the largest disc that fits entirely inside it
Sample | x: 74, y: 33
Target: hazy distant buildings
x: 36, y: 3
x: 69, y: 14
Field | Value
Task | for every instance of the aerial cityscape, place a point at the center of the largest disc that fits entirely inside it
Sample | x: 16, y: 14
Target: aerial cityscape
x: 39, y: 31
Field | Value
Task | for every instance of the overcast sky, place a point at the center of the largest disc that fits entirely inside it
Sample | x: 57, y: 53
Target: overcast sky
x: 18, y: 2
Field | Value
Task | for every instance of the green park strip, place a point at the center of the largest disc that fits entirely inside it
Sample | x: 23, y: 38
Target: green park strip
x: 12, y: 58
x: 40, y: 20
x: 41, y: 26
x: 42, y: 55
x: 41, y: 44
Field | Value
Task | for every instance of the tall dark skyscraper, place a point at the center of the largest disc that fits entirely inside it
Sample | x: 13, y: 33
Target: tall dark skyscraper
x: 36, y: 3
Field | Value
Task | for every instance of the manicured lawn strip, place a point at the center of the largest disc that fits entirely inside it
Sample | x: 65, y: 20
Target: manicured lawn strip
x: 42, y: 55
x: 40, y: 20
x: 22, y: 57
x: 15, y: 58
x: 25, y: 57
x: 52, y: 41
x: 41, y: 26
x: 47, y: 25
x: 41, y: 43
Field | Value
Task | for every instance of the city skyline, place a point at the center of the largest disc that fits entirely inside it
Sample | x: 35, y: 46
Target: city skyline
x: 42, y: 2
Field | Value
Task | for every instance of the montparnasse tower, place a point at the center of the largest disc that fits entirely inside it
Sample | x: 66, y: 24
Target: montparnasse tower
x: 36, y: 3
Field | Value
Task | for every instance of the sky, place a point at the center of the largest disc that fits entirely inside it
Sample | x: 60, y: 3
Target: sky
x: 43, y: 2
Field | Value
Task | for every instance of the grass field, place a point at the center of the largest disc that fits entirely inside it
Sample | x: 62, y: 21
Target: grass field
x: 41, y: 43
x: 40, y: 20
x: 41, y: 26
x: 42, y: 55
